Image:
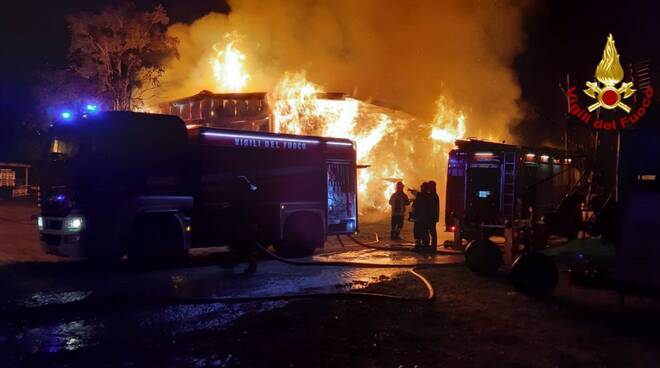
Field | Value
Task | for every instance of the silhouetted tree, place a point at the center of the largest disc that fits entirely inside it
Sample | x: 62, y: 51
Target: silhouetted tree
x: 120, y: 50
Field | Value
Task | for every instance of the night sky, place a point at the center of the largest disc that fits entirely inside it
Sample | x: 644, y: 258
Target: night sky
x: 561, y: 37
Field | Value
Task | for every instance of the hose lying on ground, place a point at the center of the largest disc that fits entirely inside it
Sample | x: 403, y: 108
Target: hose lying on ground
x: 396, y: 248
x: 111, y: 302
x: 138, y: 300
x: 412, y: 270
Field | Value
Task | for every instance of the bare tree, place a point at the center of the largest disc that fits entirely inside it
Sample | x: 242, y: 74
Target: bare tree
x: 121, y: 50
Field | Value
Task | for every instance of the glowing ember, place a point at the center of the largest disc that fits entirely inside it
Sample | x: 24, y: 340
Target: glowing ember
x: 228, y: 68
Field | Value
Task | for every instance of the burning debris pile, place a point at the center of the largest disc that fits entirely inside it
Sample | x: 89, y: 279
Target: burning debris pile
x: 434, y: 60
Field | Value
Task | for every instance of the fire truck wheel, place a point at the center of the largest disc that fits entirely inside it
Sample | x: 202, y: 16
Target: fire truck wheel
x: 157, y: 239
x: 104, y: 259
x: 99, y: 256
x: 303, y: 232
x: 483, y: 257
x: 535, y: 274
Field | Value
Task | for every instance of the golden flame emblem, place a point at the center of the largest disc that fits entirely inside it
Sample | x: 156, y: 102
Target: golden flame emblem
x: 609, y: 73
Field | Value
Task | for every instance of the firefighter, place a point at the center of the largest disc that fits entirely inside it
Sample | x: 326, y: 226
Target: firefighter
x: 434, y: 213
x: 421, y: 216
x: 399, y: 200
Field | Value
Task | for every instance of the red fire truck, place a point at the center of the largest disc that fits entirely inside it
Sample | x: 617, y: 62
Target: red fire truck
x: 147, y: 186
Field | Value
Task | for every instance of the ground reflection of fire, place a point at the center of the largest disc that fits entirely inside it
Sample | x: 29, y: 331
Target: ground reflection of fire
x: 396, y: 145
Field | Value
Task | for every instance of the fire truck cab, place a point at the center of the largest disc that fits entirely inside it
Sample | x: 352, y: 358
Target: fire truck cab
x: 145, y: 185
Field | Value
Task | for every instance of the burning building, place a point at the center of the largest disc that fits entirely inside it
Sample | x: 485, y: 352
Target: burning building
x: 407, y: 101
x: 244, y: 111
x: 396, y: 146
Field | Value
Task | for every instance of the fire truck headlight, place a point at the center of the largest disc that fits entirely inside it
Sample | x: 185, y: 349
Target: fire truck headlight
x: 74, y: 223
x: 40, y: 223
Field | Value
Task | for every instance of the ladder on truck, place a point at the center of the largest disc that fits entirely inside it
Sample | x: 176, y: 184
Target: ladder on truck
x: 508, y: 190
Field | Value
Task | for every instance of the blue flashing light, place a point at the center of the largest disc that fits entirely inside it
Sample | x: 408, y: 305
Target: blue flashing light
x: 66, y: 115
x: 90, y: 107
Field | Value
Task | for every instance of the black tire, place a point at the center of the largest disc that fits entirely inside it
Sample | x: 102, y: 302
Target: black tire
x: 98, y: 248
x: 303, y: 233
x: 157, y: 240
x: 98, y: 254
x: 552, y: 221
x: 535, y: 274
x: 104, y: 261
x: 483, y: 257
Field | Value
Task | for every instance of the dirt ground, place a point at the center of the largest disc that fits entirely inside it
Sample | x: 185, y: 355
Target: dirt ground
x: 477, y: 322
x: 19, y: 237
x: 473, y: 322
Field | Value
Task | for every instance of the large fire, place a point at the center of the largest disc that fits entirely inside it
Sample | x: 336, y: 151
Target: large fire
x: 228, y: 69
x: 395, y: 145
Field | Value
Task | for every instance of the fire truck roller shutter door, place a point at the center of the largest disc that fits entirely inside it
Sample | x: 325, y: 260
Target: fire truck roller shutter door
x: 483, y: 195
x: 303, y: 232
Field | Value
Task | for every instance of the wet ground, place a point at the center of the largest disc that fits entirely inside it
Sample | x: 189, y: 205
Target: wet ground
x: 56, y: 307
x: 59, y: 313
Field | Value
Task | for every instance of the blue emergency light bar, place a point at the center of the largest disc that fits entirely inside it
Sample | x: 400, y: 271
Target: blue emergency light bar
x: 90, y: 108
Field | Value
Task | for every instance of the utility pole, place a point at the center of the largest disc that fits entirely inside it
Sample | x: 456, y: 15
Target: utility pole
x: 568, y: 114
x: 566, y: 122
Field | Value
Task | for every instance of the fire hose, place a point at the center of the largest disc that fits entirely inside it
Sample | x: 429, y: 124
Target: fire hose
x: 139, y: 300
x: 392, y: 248
x: 412, y: 269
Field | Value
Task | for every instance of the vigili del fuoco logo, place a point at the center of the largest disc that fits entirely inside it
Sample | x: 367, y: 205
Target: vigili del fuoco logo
x: 611, y: 101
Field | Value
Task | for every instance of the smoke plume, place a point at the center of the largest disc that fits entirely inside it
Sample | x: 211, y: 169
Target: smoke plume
x: 400, y: 54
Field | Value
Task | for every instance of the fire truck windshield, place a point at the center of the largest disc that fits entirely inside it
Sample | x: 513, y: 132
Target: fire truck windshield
x: 64, y: 147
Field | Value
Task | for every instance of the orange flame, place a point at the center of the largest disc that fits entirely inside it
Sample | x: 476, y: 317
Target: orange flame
x: 228, y: 67
x: 398, y: 146
x: 448, y: 125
